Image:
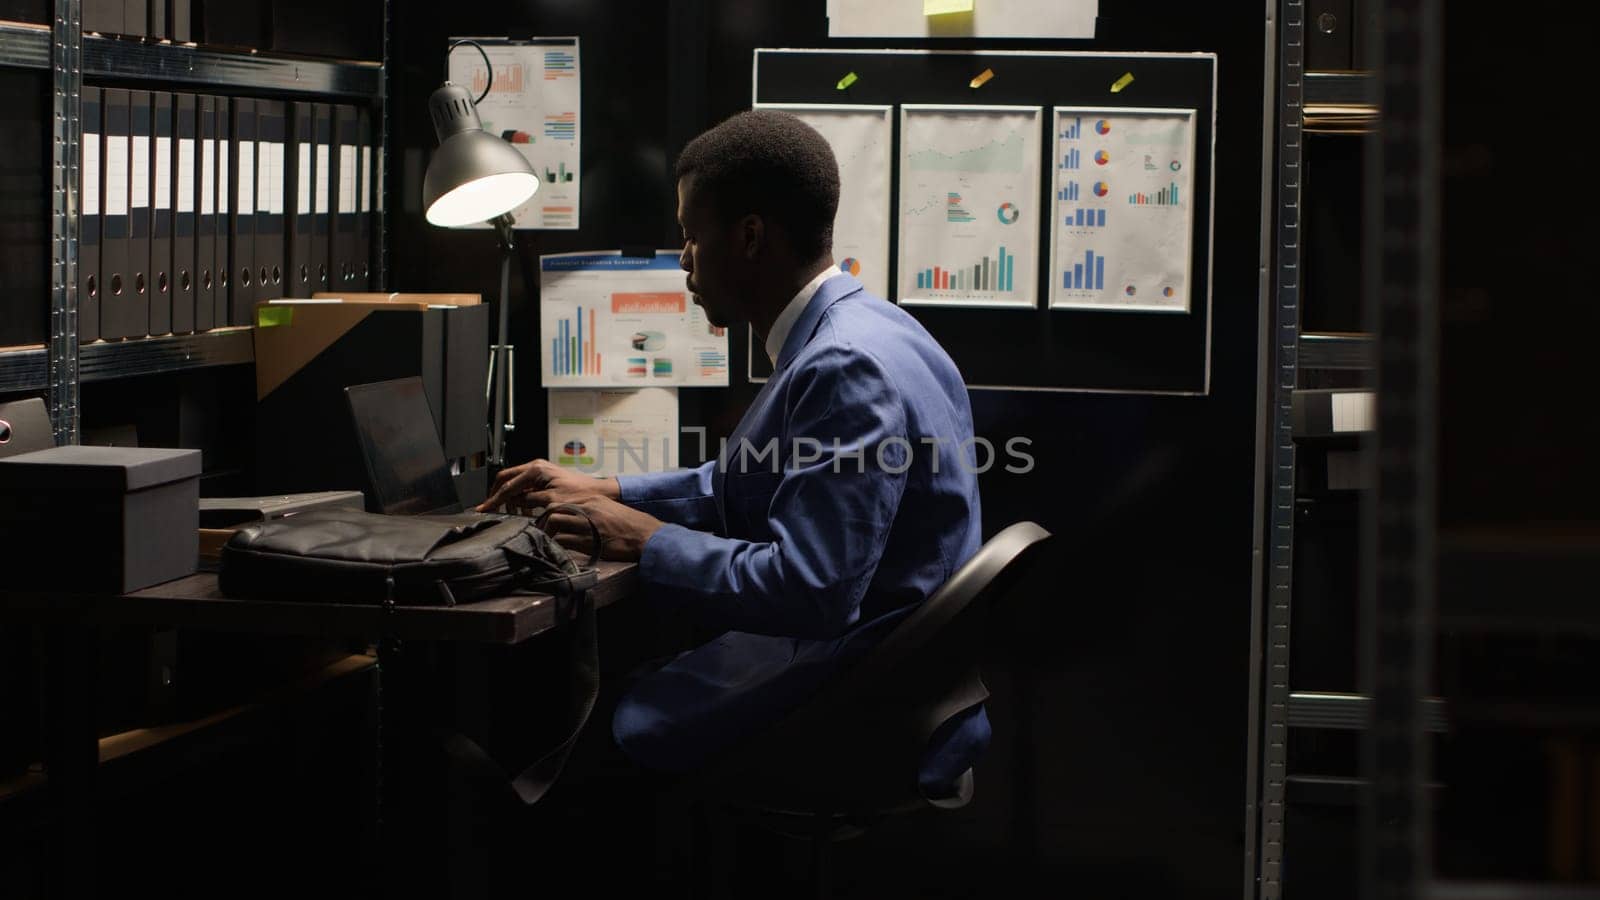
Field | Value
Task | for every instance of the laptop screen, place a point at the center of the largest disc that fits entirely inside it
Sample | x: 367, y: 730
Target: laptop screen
x: 405, y: 461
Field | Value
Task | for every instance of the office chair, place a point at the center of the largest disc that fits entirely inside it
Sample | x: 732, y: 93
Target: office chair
x: 800, y: 779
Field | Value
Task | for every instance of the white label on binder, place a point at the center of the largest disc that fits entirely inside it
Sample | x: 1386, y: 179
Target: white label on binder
x: 367, y: 185
x: 163, y: 196
x: 208, y: 177
x: 185, y: 175
x: 116, y: 176
x: 380, y: 184
x: 347, y: 178
x: 324, y: 178
x: 89, y: 170
x: 222, y: 178
x: 247, y: 178
x: 141, y: 172
x: 1354, y: 411
x: 275, y: 190
x: 302, y: 177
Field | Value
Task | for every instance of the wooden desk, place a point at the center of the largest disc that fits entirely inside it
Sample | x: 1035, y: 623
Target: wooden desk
x: 195, y: 602
x: 407, y: 715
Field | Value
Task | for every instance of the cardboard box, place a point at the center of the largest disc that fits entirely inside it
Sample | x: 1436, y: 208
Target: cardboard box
x: 99, y: 519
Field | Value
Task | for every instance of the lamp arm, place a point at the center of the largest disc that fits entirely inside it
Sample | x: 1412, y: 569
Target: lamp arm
x: 501, y: 362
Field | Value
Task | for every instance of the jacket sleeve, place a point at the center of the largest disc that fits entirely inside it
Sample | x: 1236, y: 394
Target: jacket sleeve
x: 682, y: 497
x: 829, y: 513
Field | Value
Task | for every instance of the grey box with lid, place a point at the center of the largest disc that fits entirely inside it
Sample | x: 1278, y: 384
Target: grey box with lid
x: 125, y: 518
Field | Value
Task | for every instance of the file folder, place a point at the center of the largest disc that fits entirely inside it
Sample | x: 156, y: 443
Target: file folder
x: 157, y: 21
x: 347, y: 141
x: 136, y: 17
x: 161, y: 215
x: 303, y: 141
x: 115, y: 264
x: 180, y: 20
x: 322, y: 166
x: 364, y: 189
x: 127, y: 314
x: 223, y: 300
x: 205, y: 245
x: 185, y: 224
x: 90, y: 176
x: 242, y: 233
x: 271, y: 183
x: 102, y: 16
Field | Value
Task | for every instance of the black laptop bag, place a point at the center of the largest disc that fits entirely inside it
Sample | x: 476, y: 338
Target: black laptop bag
x: 350, y: 556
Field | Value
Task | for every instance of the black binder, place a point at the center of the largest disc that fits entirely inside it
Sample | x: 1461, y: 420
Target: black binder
x: 364, y: 190
x: 136, y: 17
x: 128, y: 313
x: 301, y: 219
x: 271, y: 232
x: 161, y: 215
x: 185, y: 221
x: 180, y: 20
x: 103, y: 16
x: 91, y: 174
x: 242, y: 232
x: 158, y: 27
x: 322, y: 166
x: 205, y: 245
x: 347, y: 146
x: 223, y: 301
x: 115, y: 263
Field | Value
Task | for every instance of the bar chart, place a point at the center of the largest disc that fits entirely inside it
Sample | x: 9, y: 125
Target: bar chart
x: 1072, y: 132
x: 1085, y: 218
x: 996, y: 274
x: 1167, y: 196
x: 954, y: 211
x: 1072, y: 160
x: 572, y: 350
x: 1089, y: 275
x: 562, y: 126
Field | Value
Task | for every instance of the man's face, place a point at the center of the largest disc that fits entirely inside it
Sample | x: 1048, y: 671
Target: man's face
x: 713, y: 256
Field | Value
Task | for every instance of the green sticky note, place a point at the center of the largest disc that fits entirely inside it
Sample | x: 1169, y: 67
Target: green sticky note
x: 273, y: 316
x: 1120, y: 83
x: 846, y: 81
x: 942, y: 7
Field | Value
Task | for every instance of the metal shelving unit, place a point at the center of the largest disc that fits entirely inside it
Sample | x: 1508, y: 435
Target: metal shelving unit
x: 59, y: 366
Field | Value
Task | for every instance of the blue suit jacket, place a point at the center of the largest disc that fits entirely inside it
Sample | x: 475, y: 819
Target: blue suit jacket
x: 845, y: 497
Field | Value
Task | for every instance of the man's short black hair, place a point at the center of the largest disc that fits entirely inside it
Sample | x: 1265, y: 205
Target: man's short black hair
x: 770, y: 163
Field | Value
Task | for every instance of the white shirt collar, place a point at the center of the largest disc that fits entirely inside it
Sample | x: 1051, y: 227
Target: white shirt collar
x: 791, y: 313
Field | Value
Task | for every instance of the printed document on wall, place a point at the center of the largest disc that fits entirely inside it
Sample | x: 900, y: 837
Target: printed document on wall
x: 969, y: 227
x: 988, y: 19
x: 1123, y: 232
x: 608, y: 320
x: 861, y: 140
x: 533, y: 104
x: 620, y: 432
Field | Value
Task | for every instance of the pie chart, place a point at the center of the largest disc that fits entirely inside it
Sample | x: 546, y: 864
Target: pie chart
x: 850, y: 265
x: 1008, y: 213
x: 574, y: 448
x: 1102, y: 127
x: 1101, y: 157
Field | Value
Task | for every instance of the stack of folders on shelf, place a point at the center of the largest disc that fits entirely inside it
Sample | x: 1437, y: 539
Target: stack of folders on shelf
x: 195, y: 208
x: 155, y: 19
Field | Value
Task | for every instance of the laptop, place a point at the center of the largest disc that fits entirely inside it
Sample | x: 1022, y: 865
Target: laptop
x: 25, y: 427
x: 406, y: 466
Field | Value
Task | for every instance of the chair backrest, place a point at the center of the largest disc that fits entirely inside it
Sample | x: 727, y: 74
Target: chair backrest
x: 990, y: 573
x: 858, y: 742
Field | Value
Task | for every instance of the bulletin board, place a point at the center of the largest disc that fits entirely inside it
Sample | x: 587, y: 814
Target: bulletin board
x: 1076, y: 321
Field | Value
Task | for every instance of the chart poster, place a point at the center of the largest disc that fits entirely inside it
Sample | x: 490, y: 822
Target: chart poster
x: 614, y: 432
x: 862, y: 139
x: 969, y: 191
x: 533, y: 104
x: 1123, y: 229
x: 608, y: 320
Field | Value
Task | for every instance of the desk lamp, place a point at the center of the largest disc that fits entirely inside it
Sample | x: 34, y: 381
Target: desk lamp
x: 477, y: 177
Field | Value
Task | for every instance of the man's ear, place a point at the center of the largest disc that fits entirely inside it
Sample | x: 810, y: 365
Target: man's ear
x: 754, y: 233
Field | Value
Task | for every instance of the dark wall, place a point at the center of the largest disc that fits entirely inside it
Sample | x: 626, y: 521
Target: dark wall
x: 1121, y: 687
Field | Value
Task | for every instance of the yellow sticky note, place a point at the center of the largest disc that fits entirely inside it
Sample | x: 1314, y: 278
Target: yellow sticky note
x: 1120, y: 83
x: 274, y: 316
x: 943, y: 7
x: 982, y: 78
